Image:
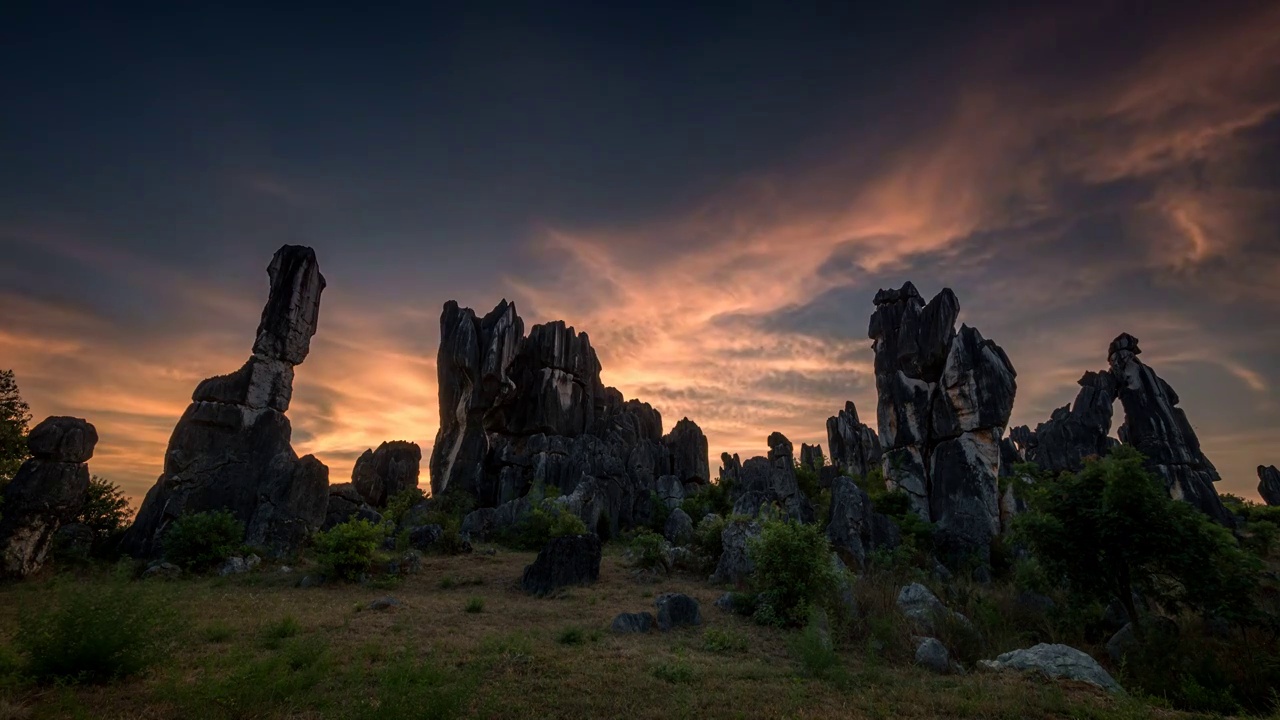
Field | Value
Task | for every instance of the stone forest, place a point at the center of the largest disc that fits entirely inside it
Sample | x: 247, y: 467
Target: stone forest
x: 931, y: 561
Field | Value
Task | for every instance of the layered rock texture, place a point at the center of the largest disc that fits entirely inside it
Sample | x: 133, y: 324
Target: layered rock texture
x: 1153, y: 424
x: 47, y: 492
x: 381, y: 474
x: 518, y: 411
x: 230, y: 450
x: 944, y: 402
x: 765, y: 481
x: 1269, y: 484
x: 855, y: 447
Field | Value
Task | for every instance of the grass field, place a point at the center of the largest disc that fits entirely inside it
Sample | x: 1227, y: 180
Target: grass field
x: 466, y: 642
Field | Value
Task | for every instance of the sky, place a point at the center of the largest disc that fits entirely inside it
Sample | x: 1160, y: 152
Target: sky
x: 714, y: 193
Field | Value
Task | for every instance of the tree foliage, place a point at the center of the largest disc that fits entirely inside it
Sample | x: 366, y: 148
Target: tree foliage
x: 106, y: 509
x: 15, y: 416
x: 1112, y: 530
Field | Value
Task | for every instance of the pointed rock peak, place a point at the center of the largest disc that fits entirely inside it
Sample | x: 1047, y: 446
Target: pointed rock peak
x: 292, y: 312
x: 852, y: 410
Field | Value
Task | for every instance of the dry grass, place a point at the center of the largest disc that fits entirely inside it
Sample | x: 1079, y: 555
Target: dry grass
x: 431, y: 658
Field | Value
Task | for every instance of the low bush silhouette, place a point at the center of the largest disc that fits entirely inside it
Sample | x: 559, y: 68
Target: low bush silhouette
x: 199, y: 541
x: 348, y: 550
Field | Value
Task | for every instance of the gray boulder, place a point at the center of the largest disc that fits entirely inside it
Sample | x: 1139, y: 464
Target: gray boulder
x: 677, y: 610
x: 1055, y: 661
x: 679, y: 528
x: 1269, y: 484
x: 231, y: 448
x: 564, y: 562
x: 923, y: 608
x: 47, y: 492
x: 628, y: 623
x: 735, y: 564
x: 932, y: 655
x: 381, y: 474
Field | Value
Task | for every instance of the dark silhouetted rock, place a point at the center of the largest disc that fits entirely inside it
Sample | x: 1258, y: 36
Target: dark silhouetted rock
x: 1074, y: 432
x: 564, y: 562
x: 944, y: 400
x: 231, y: 448
x: 346, y: 504
x: 47, y: 492
x: 381, y: 474
x: 855, y: 447
x: 1156, y: 427
x: 811, y: 457
x: 679, y: 528
x: 1269, y: 484
x: 854, y: 528
x: 677, y: 610
x: 519, y: 412
x: 735, y: 564
x: 629, y: 623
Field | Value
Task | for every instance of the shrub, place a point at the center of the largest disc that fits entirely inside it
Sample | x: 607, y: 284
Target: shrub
x: 708, y: 536
x: 710, y: 498
x: 675, y: 671
x: 399, y: 505
x: 717, y: 640
x: 571, y: 636
x: 475, y: 605
x: 541, y: 524
x: 793, y: 572
x: 199, y: 541
x: 282, y: 629
x: 94, y: 634
x: 812, y: 647
x: 105, y: 512
x: 659, y: 513
x: 348, y: 550
x: 648, y: 551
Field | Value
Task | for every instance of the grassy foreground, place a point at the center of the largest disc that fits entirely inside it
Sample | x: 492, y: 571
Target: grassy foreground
x: 466, y: 642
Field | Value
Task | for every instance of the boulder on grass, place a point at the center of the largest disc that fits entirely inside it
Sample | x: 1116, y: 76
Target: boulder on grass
x: 677, y: 610
x: 564, y: 562
x: 628, y: 623
x: 1055, y: 661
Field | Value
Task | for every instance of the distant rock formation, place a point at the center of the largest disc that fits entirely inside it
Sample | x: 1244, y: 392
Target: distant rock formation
x: 944, y: 403
x: 381, y: 474
x: 1269, y: 484
x: 47, y: 492
x: 230, y: 450
x: 1153, y: 424
x: 766, y: 481
x: 855, y: 447
x: 811, y: 457
x: 519, y: 411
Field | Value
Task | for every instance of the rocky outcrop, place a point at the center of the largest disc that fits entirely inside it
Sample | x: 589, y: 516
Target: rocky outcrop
x: 811, y: 457
x: 1055, y: 661
x: 854, y: 528
x: 945, y: 397
x: 768, y: 480
x: 346, y: 504
x: 1073, y: 432
x: 47, y: 492
x: 381, y: 474
x: 1269, y: 484
x: 679, y: 528
x: 735, y: 564
x: 522, y: 411
x: 231, y: 450
x: 855, y: 447
x: 564, y: 562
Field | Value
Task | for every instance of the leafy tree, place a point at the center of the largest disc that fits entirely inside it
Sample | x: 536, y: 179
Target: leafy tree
x: 106, y: 509
x: 15, y: 415
x: 1112, y: 530
x: 793, y: 572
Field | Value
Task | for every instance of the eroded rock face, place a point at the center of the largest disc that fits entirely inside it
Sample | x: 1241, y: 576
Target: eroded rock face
x: 945, y: 397
x: 1074, y: 432
x: 855, y: 447
x: 854, y: 528
x: 517, y: 412
x: 811, y: 456
x: 47, y: 492
x: 345, y: 504
x: 381, y: 474
x: 1269, y: 484
x: 231, y: 450
x: 564, y: 562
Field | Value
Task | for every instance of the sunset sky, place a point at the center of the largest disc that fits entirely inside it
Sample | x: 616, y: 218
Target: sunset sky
x: 713, y: 195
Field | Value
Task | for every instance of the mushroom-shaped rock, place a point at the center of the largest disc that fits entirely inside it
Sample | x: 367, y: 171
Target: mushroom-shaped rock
x: 62, y: 439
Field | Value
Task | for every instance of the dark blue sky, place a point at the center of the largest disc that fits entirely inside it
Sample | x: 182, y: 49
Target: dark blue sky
x: 687, y: 183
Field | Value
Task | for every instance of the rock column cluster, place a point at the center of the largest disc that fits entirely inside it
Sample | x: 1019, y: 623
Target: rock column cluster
x: 855, y: 447
x: 944, y: 402
x: 231, y: 448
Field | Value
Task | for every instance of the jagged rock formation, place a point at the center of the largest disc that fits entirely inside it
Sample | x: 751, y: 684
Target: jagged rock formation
x: 855, y: 447
x: 1269, y: 484
x: 854, y: 528
x: 762, y: 480
x: 1153, y: 424
x: 381, y: 474
x: 230, y: 450
x: 517, y: 411
x: 1074, y: 432
x: 346, y: 503
x: 47, y: 492
x: 811, y: 457
x: 944, y: 403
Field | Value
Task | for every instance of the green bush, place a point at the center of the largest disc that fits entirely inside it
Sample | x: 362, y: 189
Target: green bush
x: 659, y: 513
x: 348, y: 550
x: 708, y: 536
x: 712, y: 498
x: 812, y: 647
x: 539, y: 525
x: 475, y: 605
x: 105, y: 512
x: 675, y: 671
x: 94, y: 634
x: 571, y: 636
x: 793, y: 573
x: 721, y: 641
x: 648, y: 551
x: 199, y: 541
x: 399, y: 505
